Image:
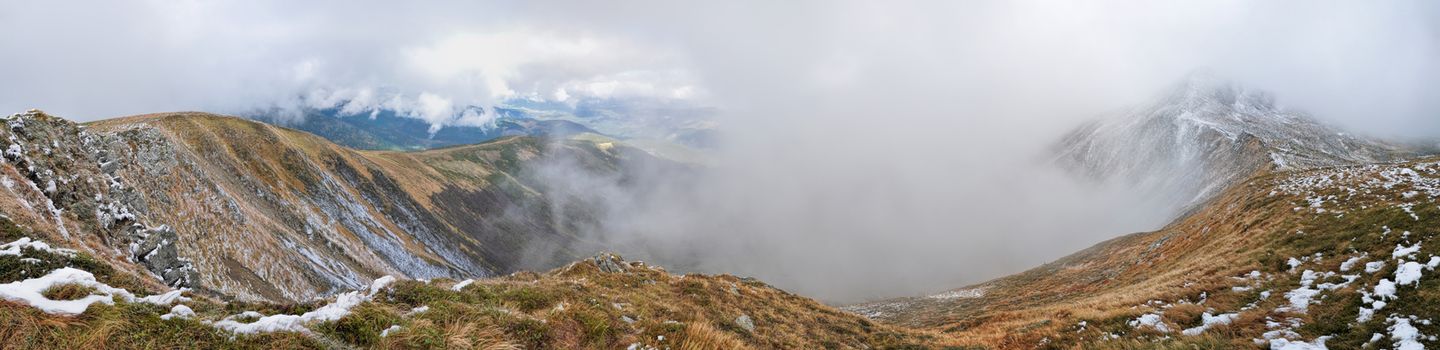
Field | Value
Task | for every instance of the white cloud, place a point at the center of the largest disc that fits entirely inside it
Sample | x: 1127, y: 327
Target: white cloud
x: 434, y: 108
x: 90, y: 60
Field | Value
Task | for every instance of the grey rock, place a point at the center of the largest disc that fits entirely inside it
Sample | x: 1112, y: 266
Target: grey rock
x: 609, y: 263
x: 745, y: 322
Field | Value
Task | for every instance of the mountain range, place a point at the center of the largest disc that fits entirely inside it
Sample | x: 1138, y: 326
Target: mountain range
x: 1291, y: 235
x: 385, y: 129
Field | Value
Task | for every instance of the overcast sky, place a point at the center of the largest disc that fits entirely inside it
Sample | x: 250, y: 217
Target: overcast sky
x: 1359, y: 63
x: 874, y: 148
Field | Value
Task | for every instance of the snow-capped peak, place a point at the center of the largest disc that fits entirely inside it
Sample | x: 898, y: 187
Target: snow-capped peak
x: 1205, y: 133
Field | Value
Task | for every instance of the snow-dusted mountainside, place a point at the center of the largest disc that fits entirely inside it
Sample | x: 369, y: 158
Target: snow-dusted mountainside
x: 1206, y: 134
x: 259, y: 212
x: 1298, y: 236
x: 1340, y: 257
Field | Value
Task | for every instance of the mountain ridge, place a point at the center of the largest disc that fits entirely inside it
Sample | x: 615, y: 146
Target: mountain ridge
x: 1205, y: 134
x: 387, y: 130
x: 229, y: 197
x: 1267, y: 197
x: 1277, y: 255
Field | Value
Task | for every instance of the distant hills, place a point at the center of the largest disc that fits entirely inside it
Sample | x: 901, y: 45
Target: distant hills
x: 386, y: 130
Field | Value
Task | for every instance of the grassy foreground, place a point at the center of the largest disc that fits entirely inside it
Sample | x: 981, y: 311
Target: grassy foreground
x: 598, y: 303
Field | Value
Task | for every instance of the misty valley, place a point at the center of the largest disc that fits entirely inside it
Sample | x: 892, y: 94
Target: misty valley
x: 720, y: 175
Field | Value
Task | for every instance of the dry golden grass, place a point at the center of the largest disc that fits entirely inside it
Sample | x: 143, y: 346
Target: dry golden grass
x: 67, y: 291
x: 581, y: 307
x: 701, y: 336
x: 124, y: 326
x: 1247, y: 228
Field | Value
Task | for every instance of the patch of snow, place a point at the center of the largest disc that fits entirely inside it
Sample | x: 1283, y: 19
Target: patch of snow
x: 458, y: 286
x: 166, y: 299
x: 180, y: 311
x: 1408, y: 273
x: 1285, y: 344
x: 1151, y: 321
x: 381, y: 283
x: 296, y: 323
x: 1366, y: 314
x: 960, y: 294
x: 1385, y: 289
x: 1374, y: 266
x: 1406, y: 336
x: 1208, y: 321
x: 1300, y: 297
x: 1333, y: 286
x: 13, y: 248
x: 1349, y: 264
x: 1403, y: 251
x: 29, y: 292
x: 386, y: 332
x: 1294, y: 263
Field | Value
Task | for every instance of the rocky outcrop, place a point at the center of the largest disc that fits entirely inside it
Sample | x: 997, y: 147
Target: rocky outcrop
x: 66, y: 177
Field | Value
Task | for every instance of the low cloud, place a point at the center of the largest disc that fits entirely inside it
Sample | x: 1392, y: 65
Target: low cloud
x: 93, y: 60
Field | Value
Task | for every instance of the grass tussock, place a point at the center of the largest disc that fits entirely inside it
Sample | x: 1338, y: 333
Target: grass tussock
x: 701, y: 336
x: 67, y: 291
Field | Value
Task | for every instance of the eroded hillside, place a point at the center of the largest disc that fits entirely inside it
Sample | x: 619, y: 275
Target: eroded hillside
x: 258, y: 212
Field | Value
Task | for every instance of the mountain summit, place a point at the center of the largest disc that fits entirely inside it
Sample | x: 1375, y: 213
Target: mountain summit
x: 1205, y: 134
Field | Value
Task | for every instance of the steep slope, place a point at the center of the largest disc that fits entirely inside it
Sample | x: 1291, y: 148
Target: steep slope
x: 258, y: 212
x: 1340, y: 256
x: 1204, y: 135
x: 386, y: 130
